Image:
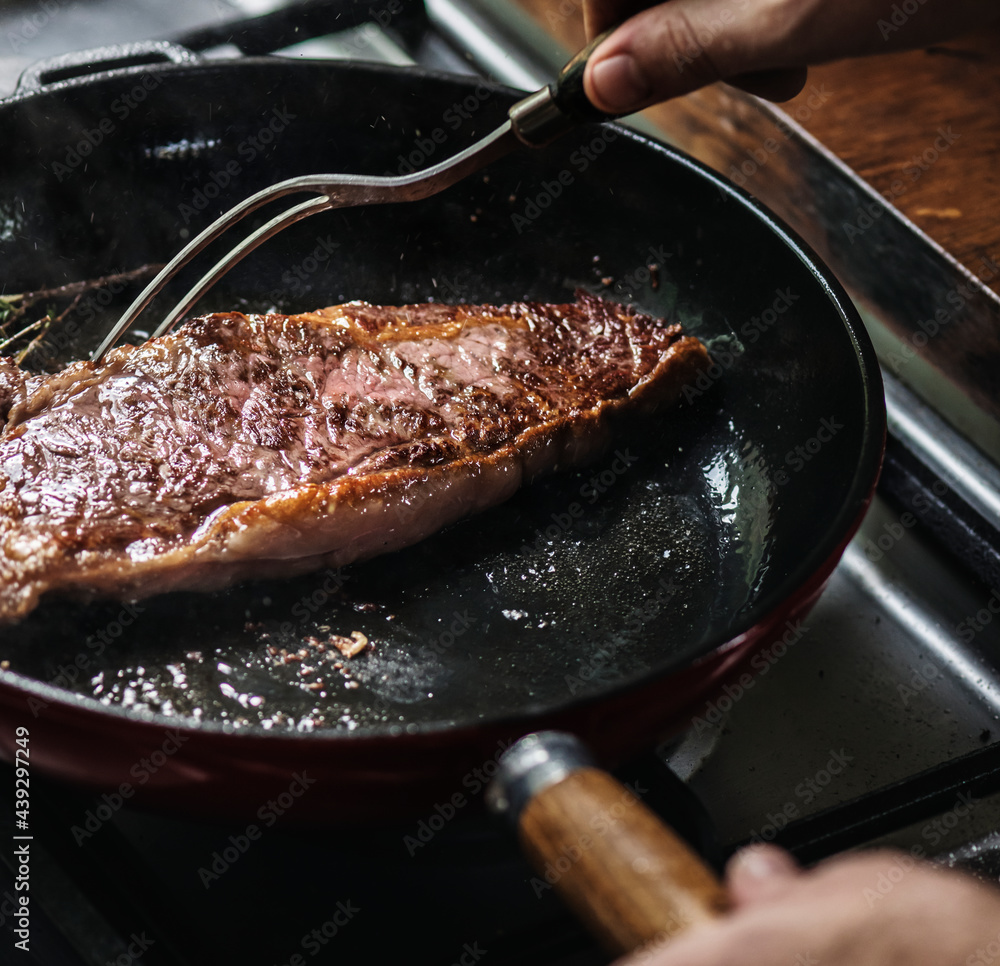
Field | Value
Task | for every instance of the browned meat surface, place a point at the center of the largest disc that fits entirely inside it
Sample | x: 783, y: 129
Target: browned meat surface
x: 12, y: 387
x: 247, y: 446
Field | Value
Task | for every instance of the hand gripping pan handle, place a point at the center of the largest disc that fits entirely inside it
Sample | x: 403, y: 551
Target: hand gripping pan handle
x: 626, y: 875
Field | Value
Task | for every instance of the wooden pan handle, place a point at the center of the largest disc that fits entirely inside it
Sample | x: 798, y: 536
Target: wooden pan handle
x: 628, y: 876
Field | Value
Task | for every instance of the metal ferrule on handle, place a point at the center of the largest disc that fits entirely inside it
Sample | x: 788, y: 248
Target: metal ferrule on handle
x: 547, y: 114
x: 538, y: 120
x: 532, y: 765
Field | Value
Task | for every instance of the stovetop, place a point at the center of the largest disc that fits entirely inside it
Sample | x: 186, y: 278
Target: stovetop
x: 877, y: 721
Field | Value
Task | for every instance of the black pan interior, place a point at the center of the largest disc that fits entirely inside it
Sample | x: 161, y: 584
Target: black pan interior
x: 697, y: 524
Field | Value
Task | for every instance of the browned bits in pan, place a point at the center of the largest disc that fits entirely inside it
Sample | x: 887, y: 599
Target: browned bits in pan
x: 349, y: 646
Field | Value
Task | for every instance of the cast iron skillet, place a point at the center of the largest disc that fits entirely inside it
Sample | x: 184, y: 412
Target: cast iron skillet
x: 608, y: 601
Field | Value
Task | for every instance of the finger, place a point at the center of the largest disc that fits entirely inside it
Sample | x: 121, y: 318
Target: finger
x: 761, y: 873
x: 681, y: 45
x: 772, y: 85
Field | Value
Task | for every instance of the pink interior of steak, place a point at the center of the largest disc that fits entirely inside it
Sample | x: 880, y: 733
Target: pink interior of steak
x: 233, y: 408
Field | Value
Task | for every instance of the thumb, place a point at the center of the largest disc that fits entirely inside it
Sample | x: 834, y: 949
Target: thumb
x: 759, y: 874
x: 682, y: 45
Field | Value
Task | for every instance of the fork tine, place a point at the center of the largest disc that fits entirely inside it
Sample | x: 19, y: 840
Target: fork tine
x: 336, y: 191
x: 296, y: 213
x: 194, y: 247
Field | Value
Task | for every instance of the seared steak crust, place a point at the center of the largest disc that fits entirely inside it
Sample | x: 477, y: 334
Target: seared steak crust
x: 13, y: 383
x: 256, y: 445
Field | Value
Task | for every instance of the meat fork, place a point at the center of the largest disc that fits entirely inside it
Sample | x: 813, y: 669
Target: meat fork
x: 534, y: 121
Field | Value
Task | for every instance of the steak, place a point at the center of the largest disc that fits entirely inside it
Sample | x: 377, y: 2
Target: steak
x: 13, y: 386
x: 259, y: 445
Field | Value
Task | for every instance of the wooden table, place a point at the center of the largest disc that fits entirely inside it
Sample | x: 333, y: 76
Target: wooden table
x: 923, y: 128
